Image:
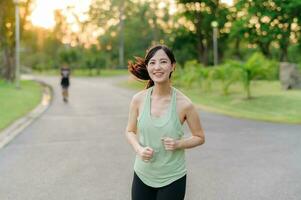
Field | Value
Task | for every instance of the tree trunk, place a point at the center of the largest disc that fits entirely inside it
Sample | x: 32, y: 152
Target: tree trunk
x: 202, y: 52
x: 200, y: 49
x: 283, y: 54
x: 237, y: 49
x: 121, y: 34
x: 8, y: 70
x: 284, y: 43
x: 265, y: 48
x: 205, y: 55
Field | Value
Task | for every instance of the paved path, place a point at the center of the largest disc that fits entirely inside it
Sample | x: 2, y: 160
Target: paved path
x: 78, y: 151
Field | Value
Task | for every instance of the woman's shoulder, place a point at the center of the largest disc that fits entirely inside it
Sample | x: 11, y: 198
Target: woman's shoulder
x: 183, y: 101
x: 139, y: 96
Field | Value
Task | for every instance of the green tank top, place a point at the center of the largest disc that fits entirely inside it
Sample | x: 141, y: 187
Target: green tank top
x: 166, y: 166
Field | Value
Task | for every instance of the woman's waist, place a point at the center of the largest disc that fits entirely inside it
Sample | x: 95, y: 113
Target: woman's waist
x: 161, y: 167
x: 164, y: 159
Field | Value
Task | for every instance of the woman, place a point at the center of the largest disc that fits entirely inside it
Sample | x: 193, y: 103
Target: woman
x: 65, y: 74
x: 155, y: 129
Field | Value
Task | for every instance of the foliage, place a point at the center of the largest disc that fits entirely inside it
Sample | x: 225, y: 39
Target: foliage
x: 93, y: 60
x: 68, y: 56
x: 268, y: 21
x: 40, y: 61
x: 7, y: 35
x: 271, y: 102
x: 228, y: 73
x: 184, y: 46
x: 243, y: 28
x: 257, y: 67
x: 189, y: 74
x: 201, y: 14
x: 7, y: 39
x: 194, y: 74
x: 294, y: 52
x: 144, y: 25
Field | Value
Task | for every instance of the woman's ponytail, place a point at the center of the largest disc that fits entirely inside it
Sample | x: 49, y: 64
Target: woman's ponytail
x: 139, y: 70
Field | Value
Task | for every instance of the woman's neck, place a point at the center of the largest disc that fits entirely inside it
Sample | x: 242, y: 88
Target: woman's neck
x: 161, y: 90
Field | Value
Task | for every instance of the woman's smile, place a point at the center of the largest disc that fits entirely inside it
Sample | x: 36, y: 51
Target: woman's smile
x: 158, y: 74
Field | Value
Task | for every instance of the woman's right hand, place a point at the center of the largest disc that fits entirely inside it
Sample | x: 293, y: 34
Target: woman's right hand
x: 146, y: 153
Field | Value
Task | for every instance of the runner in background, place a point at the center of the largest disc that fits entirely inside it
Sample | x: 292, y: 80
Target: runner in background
x: 65, y: 82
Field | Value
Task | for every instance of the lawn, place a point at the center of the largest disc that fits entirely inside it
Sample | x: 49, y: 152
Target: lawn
x: 269, y: 102
x: 14, y: 103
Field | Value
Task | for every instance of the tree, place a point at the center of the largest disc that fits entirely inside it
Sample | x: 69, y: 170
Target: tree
x: 69, y: 56
x: 201, y: 14
x: 256, y: 67
x: 7, y: 34
x: 7, y: 41
x: 183, y: 45
x: 268, y: 21
x: 144, y: 23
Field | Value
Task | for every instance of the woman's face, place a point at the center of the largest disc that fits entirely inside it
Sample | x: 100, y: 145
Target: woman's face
x: 159, y: 67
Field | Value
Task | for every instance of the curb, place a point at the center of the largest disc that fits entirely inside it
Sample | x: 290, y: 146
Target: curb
x: 8, y: 134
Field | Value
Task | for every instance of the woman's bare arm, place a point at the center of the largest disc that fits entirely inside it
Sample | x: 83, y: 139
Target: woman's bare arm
x: 131, y: 128
x: 197, y: 138
x: 145, y: 153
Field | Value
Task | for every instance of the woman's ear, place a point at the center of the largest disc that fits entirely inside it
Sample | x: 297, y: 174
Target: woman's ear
x: 173, y: 67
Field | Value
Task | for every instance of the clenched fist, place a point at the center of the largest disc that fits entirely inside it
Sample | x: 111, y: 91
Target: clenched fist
x: 170, y: 144
x: 146, y: 153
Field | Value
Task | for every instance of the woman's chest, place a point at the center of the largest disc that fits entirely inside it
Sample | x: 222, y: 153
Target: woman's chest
x: 158, y: 108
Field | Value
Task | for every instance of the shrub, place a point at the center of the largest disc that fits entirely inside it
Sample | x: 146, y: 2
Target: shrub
x: 228, y: 73
x: 257, y: 67
x: 189, y: 75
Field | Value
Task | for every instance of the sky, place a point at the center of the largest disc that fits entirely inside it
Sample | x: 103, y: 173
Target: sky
x: 43, y: 10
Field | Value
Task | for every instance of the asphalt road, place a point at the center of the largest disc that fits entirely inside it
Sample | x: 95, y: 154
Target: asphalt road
x: 78, y: 151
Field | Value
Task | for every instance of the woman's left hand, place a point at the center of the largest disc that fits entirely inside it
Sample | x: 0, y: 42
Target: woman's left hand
x: 170, y: 144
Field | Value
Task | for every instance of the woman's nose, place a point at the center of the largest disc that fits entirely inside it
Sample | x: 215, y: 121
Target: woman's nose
x: 157, y: 66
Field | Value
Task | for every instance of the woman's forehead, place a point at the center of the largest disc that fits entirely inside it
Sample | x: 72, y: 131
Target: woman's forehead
x: 160, y: 54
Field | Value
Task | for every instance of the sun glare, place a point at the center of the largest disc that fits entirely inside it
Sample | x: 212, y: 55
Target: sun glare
x: 43, y: 10
x: 229, y: 2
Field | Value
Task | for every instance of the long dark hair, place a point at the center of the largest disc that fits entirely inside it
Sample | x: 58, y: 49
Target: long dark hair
x: 138, y: 68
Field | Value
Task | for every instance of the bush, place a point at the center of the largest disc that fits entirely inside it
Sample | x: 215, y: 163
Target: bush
x: 194, y: 74
x: 258, y: 67
x: 228, y: 73
x: 69, y: 56
x: 38, y: 61
x: 188, y: 75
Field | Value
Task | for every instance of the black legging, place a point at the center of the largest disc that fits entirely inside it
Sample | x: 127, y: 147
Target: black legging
x: 174, y: 191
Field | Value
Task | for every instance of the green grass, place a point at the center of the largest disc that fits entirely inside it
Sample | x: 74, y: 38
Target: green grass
x: 86, y: 72
x: 269, y: 102
x: 132, y: 84
x: 15, y: 103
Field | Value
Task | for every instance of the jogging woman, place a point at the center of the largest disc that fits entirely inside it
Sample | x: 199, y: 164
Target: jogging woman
x: 155, y: 129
